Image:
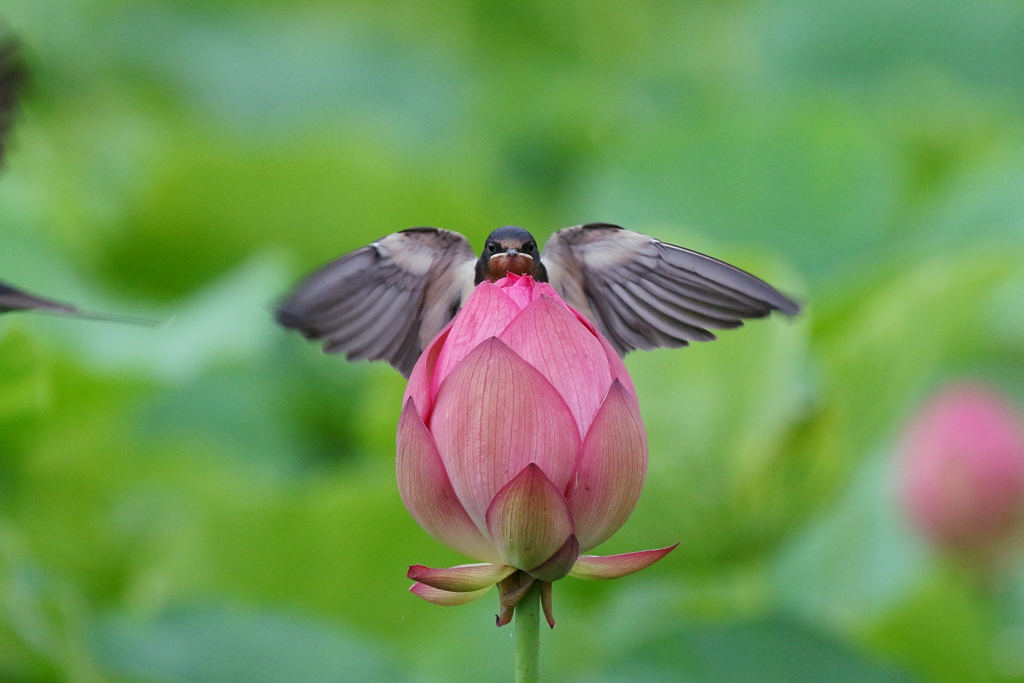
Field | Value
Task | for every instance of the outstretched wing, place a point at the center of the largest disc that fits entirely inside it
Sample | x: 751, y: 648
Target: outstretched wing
x: 12, y: 299
x: 12, y: 76
x: 385, y: 301
x: 644, y: 293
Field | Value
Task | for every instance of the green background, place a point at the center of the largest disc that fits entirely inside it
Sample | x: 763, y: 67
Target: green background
x: 214, y: 500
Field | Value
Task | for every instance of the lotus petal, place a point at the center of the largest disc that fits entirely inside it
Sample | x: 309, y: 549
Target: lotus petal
x: 495, y: 415
x: 486, y: 314
x: 610, y: 471
x: 445, y: 598
x: 529, y: 519
x: 558, y: 565
x: 428, y: 494
x: 511, y: 591
x: 419, y: 386
x: 551, y: 339
x: 463, y: 578
x: 521, y: 289
x: 616, y: 366
x: 599, y: 568
x: 545, y: 602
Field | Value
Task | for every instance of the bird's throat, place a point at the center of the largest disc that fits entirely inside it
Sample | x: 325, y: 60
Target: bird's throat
x: 501, y: 265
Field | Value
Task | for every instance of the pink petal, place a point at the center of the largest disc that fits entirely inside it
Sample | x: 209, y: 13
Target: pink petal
x: 598, y: 568
x: 419, y: 386
x: 445, y: 598
x: 963, y: 468
x: 610, y: 471
x: 487, y: 313
x: 545, y: 602
x: 461, y: 579
x: 495, y: 415
x: 524, y: 290
x: 511, y: 591
x: 519, y: 288
x: 615, y: 364
x: 427, y: 492
x: 544, y: 289
x: 551, y: 339
x: 529, y: 519
x: 558, y: 565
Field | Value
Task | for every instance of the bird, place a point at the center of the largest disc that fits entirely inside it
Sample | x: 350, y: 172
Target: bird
x: 387, y: 300
x: 13, y: 75
x: 13, y: 299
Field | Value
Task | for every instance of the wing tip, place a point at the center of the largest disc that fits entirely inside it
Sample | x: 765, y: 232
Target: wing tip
x: 786, y: 305
x: 13, y: 70
x: 287, y: 318
x: 753, y: 287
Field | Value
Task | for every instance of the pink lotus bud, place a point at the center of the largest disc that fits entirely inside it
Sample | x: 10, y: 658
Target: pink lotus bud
x: 963, y: 470
x: 520, y: 445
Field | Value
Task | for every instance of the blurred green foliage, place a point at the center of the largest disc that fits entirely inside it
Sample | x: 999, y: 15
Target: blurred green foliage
x: 214, y: 500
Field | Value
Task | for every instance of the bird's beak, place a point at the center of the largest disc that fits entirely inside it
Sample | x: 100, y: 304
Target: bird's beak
x: 512, y: 253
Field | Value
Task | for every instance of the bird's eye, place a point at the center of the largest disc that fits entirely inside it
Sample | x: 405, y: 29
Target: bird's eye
x: 529, y: 246
x: 493, y: 246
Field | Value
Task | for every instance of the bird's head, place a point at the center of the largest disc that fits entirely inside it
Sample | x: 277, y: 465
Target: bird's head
x: 509, y: 249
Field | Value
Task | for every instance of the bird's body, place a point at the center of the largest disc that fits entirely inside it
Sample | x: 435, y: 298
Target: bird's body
x: 386, y: 301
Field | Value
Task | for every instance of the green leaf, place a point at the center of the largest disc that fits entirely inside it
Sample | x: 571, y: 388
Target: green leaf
x: 774, y: 650
x: 857, y: 563
x: 213, y: 644
x: 944, y: 629
x: 24, y: 383
x: 880, y: 354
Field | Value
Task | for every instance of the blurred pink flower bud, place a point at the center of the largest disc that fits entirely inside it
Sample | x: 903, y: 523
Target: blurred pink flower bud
x: 963, y: 469
x: 520, y: 445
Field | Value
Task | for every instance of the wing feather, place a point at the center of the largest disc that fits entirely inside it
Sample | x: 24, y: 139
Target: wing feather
x: 617, y: 328
x: 671, y: 326
x: 721, y: 276
x: 381, y: 330
x: 643, y: 293
x: 12, y: 77
x: 685, y: 289
x: 384, y: 301
x: 12, y: 299
x: 658, y: 298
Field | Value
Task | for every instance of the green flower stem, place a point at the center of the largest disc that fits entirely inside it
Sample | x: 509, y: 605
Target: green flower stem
x: 527, y: 620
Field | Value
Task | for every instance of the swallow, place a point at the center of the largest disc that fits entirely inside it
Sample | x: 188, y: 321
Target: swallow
x: 13, y: 76
x: 12, y: 299
x: 387, y: 300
